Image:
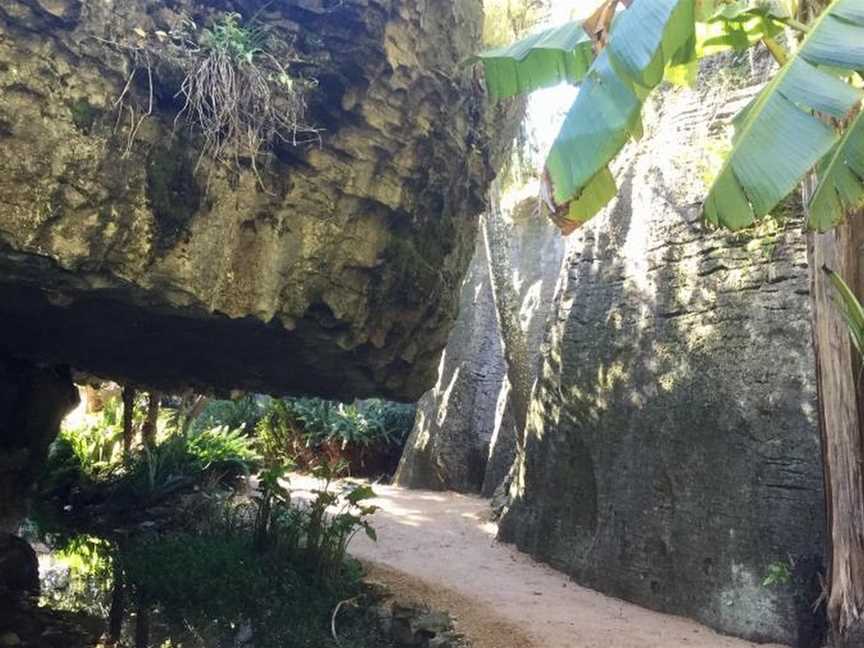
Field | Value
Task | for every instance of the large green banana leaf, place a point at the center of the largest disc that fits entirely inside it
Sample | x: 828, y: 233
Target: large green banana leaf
x: 644, y: 41
x: 851, y: 309
x: 840, y: 189
x: 541, y: 60
x: 739, y: 24
x: 780, y: 138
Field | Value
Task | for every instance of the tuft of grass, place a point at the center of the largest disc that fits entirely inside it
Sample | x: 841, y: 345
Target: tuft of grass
x: 238, y: 96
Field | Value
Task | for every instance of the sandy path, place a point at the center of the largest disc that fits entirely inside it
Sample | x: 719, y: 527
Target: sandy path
x: 441, y: 548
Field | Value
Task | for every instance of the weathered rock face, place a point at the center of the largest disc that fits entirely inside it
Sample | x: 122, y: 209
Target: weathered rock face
x: 464, y: 436
x: 455, y: 420
x: 672, y: 451
x: 19, y: 567
x: 336, y: 272
x: 33, y: 402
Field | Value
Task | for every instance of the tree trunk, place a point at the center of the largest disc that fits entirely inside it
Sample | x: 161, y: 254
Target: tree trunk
x: 497, y: 237
x: 118, y: 606
x: 142, y: 627
x: 838, y: 369
x: 148, y: 430
x: 128, y: 419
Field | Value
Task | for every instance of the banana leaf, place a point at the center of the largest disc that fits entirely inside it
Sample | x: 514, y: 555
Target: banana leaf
x: 841, y: 180
x: 853, y: 312
x: 541, y: 60
x: 780, y: 139
x: 645, y: 41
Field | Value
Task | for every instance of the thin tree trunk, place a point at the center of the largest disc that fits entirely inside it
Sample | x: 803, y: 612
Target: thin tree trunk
x: 837, y: 368
x: 516, y: 352
x: 148, y: 430
x: 128, y: 419
x: 118, y: 607
x: 142, y: 627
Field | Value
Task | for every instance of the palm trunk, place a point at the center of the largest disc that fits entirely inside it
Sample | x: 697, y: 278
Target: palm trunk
x: 128, y: 419
x: 142, y: 627
x: 148, y: 430
x: 837, y: 369
x: 118, y: 607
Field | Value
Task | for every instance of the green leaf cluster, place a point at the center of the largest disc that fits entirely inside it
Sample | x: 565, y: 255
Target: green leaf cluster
x: 807, y: 118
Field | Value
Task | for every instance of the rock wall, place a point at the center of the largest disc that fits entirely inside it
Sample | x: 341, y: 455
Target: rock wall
x: 672, y: 453
x: 33, y: 402
x: 125, y: 253
x: 464, y: 437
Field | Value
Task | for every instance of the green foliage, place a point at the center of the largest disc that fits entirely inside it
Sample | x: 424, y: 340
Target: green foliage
x: 222, y: 447
x: 183, y: 573
x: 92, y: 446
x: 779, y: 138
x: 182, y: 459
x: 850, y: 307
x: 739, y: 24
x: 236, y: 414
x: 283, y: 573
x: 90, y: 563
x: 541, y: 60
x: 364, y: 423
x: 779, y: 573
x: 211, y: 584
x: 841, y: 188
x: 240, y: 43
x: 297, y: 430
x: 645, y: 40
x: 318, y: 531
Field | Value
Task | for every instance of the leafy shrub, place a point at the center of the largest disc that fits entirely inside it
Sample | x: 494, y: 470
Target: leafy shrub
x: 94, y: 442
x: 221, y: 447
x: 212, y: 584
x: 179, y: 460
x: 281, y: 570
x: 302, y: 430
x: 319, y: 530
x: 240, y: 413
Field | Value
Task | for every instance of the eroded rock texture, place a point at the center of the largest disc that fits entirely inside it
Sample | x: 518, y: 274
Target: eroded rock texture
x: 672, y: 452
x: 33, y: 402
x: 335, y: 273
x: 464, y: 436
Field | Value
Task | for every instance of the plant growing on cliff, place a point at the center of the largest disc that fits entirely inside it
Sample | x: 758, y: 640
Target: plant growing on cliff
x: 238, y: 96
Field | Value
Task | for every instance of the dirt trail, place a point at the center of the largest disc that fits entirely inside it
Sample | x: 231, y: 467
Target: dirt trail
x: 440, y: 548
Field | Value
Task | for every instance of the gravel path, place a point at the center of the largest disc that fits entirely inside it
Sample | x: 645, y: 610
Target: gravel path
x: 440, y: 548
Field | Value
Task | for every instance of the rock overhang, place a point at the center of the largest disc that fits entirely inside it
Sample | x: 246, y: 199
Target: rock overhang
x: 333, y: 271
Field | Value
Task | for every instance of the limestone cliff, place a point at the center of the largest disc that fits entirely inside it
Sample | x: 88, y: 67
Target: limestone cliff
x: 332, y: 270
x: 464, y: 437
x: 672, y: 452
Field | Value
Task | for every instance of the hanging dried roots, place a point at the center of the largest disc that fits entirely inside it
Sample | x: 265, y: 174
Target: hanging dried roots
x: 240, y: 108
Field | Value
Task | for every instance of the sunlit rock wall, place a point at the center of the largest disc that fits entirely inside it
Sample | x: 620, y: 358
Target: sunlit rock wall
x: 125, y: 254
x: 672, y: 450
x: 464, y: 436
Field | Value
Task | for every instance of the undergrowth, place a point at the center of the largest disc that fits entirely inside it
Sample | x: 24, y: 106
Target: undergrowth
x: 368, y: 435
x: 198, y: 582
